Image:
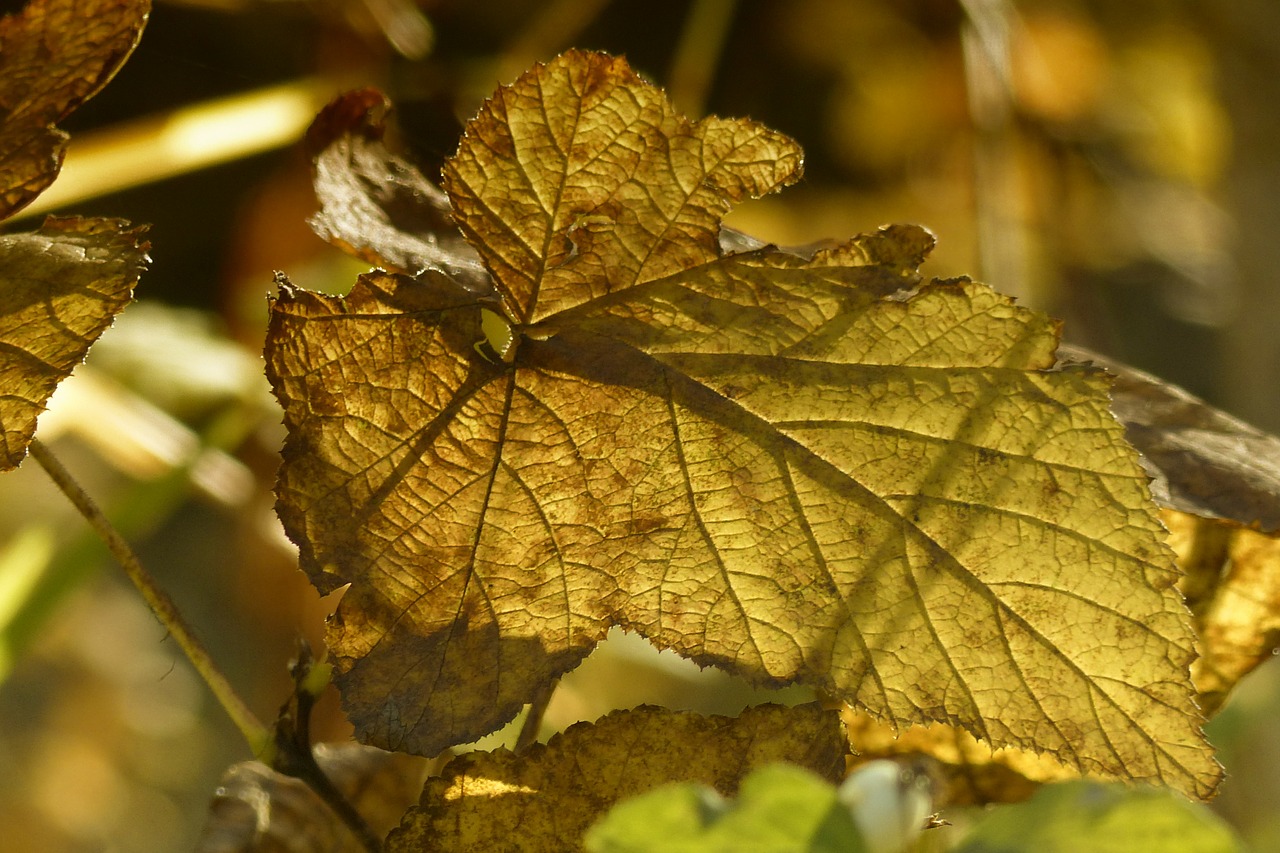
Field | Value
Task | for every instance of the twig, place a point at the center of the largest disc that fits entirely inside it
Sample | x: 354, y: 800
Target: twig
x: 287, y: 749
x: 257, y: 735
x: 533, y: 721
x: 294, y: 756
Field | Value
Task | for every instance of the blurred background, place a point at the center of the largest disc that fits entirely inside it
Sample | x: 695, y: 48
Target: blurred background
x: 1115, y: 164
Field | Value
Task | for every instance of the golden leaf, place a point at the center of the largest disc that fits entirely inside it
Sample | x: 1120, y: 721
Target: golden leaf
x: 814, y: 469
x: 1232, y: 584
x: 60, y: 287
x: 548, y: 795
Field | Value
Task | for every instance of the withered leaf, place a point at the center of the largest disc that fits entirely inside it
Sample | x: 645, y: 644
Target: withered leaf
x: 377, y: 206
x: 54, y: 55
x: 815, y: 469
x: 257, y: 810
x: 1219, y: 479
x: 546, y: 797
x: 1231, y: 581
x: 60, y: 287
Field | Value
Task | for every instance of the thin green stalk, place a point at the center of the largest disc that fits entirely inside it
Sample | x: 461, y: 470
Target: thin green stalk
x: 258, y: 736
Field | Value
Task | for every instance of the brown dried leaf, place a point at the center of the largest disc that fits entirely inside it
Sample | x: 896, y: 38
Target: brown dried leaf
x: 1202, y: 461
x: 800, y: 469
x: 546, y: 797
x: 60, y: 287
x: 377, y: 206
x: 54, y: 55
x: 257, y: 810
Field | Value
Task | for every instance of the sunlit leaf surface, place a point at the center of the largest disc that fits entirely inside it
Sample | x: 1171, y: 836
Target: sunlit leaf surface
x: 60, y: 287
x: 820, y: 469
x: 546, y: 797
x: 54, y: 55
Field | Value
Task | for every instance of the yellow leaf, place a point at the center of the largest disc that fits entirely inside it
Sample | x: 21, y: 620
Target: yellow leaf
x: 60, y: 287
x: 818, y: 469
x: 546, y: 797
x: 1232, y: 584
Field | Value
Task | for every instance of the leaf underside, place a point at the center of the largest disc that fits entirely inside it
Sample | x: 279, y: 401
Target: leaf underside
x: 54, y: 55
x: 60, y: 288
x: 818, y: 469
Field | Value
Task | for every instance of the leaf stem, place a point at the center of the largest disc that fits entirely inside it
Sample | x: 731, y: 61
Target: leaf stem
x: 532, y: 724
x: 293, y: 755
x: 257, y: 735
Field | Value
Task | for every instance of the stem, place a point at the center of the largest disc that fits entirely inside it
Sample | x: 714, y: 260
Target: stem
x: 698, y: 53
x: 1003, y: 242
x: 257, y: 735
x: 294, y: 756
x: 533, y: 721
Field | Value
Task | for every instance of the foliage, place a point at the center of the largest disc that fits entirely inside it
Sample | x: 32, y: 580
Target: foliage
x: 548, y: 795
x: 590, y: 405
x: 797, y: 469
x: 1081, y: 815
x: 59, y: 286
x: 779, y: 809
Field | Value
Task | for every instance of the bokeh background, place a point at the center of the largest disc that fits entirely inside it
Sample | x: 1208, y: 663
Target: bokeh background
x: 1116, y: 164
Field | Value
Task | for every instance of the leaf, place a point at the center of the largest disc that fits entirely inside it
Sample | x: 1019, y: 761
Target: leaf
x: 820, y: 469
x: 257, y: 810
x: 1220, y: 480
x: 60, y: 287
x: 54, y: 55
x: 969, y: 771
x: 1232, y: 584
x: 1203, y: 461
x: 546, y: 797
x: 1072, y: 816
x: 779, y: 809
x: 375, y: 205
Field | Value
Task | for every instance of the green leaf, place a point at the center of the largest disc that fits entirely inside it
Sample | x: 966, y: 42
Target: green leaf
x: 1102, y: 818
x: 779, y: 809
